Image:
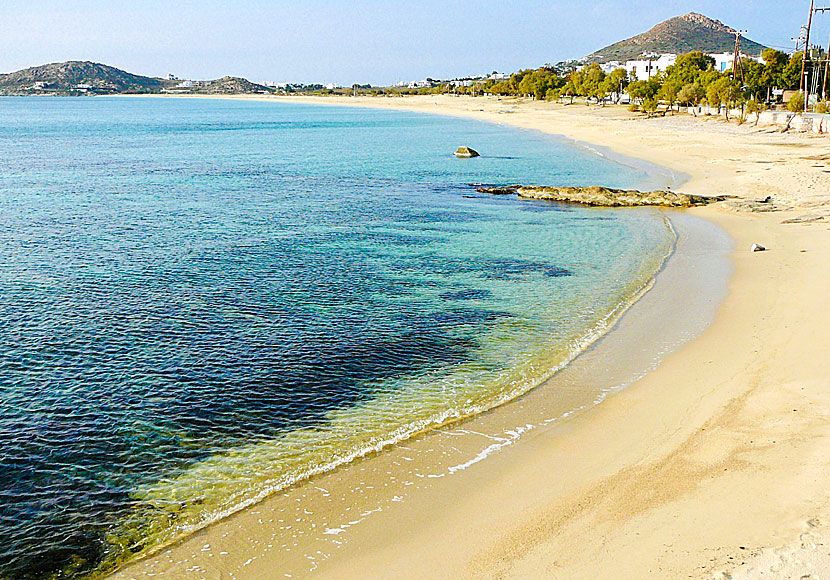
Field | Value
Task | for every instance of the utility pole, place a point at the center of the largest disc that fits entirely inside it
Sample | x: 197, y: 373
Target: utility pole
x: 800, y: 38
x: 802, y: 86
x: 736, y: 58
x: 826, y: 70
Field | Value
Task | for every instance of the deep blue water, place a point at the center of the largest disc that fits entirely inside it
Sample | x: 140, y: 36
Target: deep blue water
x: 203, y: 299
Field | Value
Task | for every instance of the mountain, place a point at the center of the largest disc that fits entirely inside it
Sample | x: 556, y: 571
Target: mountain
x: 76, y: 77
x: 677, y: 35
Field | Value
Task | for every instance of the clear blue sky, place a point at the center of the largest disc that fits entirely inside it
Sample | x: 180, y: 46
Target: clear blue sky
x: 345, y: 41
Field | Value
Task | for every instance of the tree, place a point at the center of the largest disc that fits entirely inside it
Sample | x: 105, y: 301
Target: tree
x: 720, y: 92
x: 687, y: 68
x: 669, y: 91
x: 615, y: 83
x: 691, y: 94
x: 791, y: 74
x: 644, y: 89
x: 755, y: 86
x: 593, y: 77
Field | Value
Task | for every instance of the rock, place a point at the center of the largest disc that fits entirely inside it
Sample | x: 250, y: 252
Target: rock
x: 804, y: 219
x: 498, y: 190
x: 608, y: 197
x: 757, y: 248
x: 466, y: 152
x: 753, y: 206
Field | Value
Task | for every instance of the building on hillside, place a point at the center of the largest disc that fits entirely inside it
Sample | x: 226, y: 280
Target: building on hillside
x: 611, y: 66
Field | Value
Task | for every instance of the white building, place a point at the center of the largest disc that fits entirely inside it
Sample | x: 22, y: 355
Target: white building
x: 642, y: 70
x: 610, y: 67
x: 725, y: 60
x: 424, y: 84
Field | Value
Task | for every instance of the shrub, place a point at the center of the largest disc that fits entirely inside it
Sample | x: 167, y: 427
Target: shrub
x: 796, y: 104
x: 633, y: 107
x: 650, y: 106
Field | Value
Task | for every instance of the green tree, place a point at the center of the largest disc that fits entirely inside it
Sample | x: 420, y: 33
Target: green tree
x: 791, y: 74
x: 720, y: 93
x: 592, y: 82
x: 669, y: 91
x: 687, y: 68
x: 691, y: 94
x: 643, y: 90
x: 615, y: 83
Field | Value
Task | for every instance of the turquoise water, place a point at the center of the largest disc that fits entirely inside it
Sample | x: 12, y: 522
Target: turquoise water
x: 202, y: 302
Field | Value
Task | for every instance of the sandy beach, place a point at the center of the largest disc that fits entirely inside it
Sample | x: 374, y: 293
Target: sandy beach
x: 713, y: 465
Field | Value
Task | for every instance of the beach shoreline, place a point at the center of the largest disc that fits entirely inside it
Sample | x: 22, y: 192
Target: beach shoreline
x: 684, y: 490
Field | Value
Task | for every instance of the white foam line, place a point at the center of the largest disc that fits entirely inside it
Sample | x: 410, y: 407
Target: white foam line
x: 344, y: 527
x: 490, y: 449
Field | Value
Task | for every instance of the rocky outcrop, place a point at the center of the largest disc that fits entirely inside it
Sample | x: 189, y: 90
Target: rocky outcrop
x: 498, y: 190
x: 604, y: 196
x: 466, y: 152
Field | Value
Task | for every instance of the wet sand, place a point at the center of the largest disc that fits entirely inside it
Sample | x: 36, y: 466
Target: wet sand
x: 717, y: 457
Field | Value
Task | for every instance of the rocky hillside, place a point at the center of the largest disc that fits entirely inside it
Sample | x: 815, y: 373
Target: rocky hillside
x: 76, y: 77
x: 229, y: 86
x: 677, y: 35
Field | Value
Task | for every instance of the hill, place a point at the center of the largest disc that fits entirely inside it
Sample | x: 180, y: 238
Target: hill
x: 76, y: 77
x: 229, y: 86
x: 677, y: 35
x: 80, y: 77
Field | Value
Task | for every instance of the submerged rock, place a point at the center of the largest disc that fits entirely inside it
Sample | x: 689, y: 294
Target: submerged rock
x: 466, y: 152
x: 608, y: 197
x: 498, y: 190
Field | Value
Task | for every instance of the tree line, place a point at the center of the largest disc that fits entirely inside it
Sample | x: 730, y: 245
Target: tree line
x: 692, y: 80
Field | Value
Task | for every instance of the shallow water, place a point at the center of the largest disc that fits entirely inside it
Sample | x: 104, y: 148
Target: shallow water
x: 203, y: 301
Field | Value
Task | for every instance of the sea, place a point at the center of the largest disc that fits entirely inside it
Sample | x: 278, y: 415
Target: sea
x: 203, y: 302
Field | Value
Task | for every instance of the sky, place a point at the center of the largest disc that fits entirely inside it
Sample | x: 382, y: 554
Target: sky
x: 347, y: 41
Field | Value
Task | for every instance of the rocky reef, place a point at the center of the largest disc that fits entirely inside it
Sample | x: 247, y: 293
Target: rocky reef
x: 603, y: 196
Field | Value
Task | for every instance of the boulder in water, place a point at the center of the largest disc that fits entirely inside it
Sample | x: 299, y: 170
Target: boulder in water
x: 466, y: 152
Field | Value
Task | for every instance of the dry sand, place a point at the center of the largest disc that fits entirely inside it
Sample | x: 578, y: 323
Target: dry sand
x: 715, y: 465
